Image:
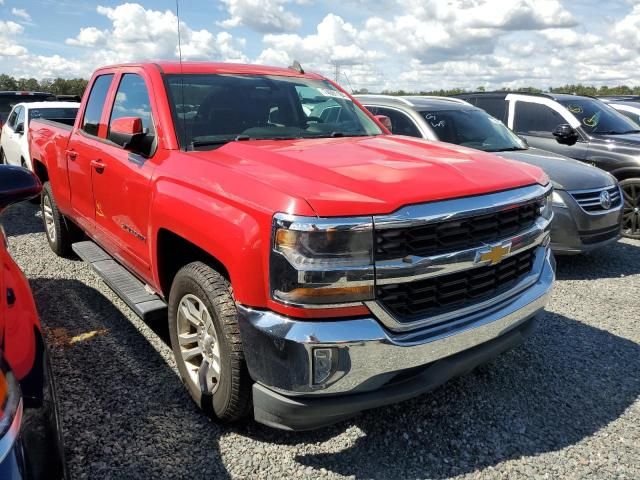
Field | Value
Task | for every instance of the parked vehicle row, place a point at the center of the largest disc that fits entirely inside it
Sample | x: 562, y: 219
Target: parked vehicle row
x: 310, y: 264
x: 583, y: 128
x: 30, y: 437
x: 587, y: 202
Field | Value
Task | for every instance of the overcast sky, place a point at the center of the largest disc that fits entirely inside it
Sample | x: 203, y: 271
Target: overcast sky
x: 410, y: 44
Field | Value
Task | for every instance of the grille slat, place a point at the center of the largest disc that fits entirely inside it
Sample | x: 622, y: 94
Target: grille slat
x: 448, y: 236
x: 590, y: 201
x: 438, y: 295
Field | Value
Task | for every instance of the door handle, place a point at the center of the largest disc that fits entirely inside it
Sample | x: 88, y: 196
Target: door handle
x: 98, y: 165
x: 72, y: 155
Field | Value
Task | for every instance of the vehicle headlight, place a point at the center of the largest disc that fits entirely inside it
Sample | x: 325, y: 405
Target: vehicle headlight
x: 557, y: 200
x: 322, y: 263
x: 10, y: 409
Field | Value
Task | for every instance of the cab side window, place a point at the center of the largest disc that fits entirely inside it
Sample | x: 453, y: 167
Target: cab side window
x: 132, y: 101
x: 536, y: 119
x: 400, y: 122
x: 19, y: 118
x: 95, y: 104
x: 11, y: 122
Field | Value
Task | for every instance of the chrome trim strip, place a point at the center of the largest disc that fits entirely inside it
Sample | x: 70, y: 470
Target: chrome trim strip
x: 413, y: 268
x: 315, y: 224
x: 447, y: 210
x: 594, y: 190
x: 616, y: 196
x: 389, y: 321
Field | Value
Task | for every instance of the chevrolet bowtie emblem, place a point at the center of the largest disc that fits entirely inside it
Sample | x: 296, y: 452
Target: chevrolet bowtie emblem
x: 494, y: 254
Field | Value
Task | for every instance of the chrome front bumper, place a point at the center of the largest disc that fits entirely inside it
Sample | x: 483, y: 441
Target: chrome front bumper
x: 279, y: 350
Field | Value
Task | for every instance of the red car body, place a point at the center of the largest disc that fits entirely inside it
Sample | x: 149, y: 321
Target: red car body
x: 180, y: 192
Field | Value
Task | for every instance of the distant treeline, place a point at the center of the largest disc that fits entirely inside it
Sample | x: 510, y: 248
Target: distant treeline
x: 57, y: 86
x: 575, y: 89
x: 76, y: 86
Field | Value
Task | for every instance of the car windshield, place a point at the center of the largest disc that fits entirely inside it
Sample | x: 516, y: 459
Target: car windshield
x: 472, y: 128
x: 7, y: 102
x: 53, y: 113
x: 598, y: 117
x: 210, y: 110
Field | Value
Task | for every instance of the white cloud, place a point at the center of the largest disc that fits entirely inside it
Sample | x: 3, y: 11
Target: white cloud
x: 335, y: 41
x: 137, y: 33
x: 9, y: 31
x: 22, y: 13
x: 266, y: 16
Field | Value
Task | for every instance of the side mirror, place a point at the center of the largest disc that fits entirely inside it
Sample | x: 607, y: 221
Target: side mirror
x: 126, y: 132
x: 565, y: 134
x: 17, y: 184
x: 386, y: 121
x: 524, y: 140
x: 20, y: 128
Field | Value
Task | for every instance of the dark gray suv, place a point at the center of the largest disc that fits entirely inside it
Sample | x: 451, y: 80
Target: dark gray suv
x: 579, y: 127
x: 587, y: 201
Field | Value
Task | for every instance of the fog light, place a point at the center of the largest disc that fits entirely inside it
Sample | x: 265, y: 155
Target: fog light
x: 323, y: 364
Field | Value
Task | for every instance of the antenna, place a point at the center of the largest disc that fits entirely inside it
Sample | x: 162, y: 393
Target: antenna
x: 184, y: 121
x: 297, y: 67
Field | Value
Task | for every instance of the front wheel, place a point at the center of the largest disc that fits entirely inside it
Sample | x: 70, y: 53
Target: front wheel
x: 631, y: 212
x: 205, y: 338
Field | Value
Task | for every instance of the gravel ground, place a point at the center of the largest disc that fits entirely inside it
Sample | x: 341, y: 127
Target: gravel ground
x: 563, y: 405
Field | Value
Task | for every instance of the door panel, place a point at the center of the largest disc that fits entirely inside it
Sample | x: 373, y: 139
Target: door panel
x: 577, y: 150
x: 121, y: 181
x: 84, y: 147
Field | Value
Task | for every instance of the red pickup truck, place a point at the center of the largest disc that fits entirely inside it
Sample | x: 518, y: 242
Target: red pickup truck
x: 311, y: 264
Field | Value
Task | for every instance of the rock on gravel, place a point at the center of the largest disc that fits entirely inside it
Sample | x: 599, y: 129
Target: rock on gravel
x: 564, y: 405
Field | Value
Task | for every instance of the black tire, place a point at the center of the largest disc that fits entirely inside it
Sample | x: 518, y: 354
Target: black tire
x: 64, y: 232
x: 631, y: 212
x: 231, y: 397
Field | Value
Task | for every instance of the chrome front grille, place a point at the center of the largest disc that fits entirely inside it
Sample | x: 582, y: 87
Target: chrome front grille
x: 439, y: 295
x: 452, y: 235
x: 435, y: 263
x: 591, y: 202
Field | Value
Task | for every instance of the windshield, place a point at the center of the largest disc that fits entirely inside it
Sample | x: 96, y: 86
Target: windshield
x: 7, y: 102
x: 210, y: 110
x: 474, y: 129
x: 598, y: 117
x: 53, y: 113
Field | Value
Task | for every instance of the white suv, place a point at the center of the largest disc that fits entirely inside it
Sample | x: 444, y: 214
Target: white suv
x: 14, y: 144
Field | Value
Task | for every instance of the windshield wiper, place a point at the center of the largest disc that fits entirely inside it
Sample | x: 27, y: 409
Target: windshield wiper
x: 508, y: 149
x: 208, y: 143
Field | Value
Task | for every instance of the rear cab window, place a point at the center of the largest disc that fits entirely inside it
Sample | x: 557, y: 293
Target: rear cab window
x: 536, y: 119
x: 496, y: 107
x: 95, y: 104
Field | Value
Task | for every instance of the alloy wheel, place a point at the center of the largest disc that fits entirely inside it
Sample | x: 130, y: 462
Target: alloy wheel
x: 49, y: 222
x: 199, y: 345
x: 631, y: 212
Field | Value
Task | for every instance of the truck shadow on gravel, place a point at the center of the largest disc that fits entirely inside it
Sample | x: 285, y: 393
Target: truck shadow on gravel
x: 620, y: 259
x: 125, y: 411
x: 22, y: 219
x: 567, y: 382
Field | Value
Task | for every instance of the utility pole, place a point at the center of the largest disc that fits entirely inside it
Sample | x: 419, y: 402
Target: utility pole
x: 336, y: 72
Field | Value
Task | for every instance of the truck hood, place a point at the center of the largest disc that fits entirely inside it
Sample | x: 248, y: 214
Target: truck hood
x: 372, y: 175
x: 565, y: 173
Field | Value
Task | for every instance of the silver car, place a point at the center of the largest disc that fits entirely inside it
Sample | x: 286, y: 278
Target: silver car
x: 587, y: 201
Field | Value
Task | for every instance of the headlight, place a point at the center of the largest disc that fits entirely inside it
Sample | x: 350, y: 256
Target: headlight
x: 321, y: 262
x: 545, y: 205
x: 10, y: 410
x: 557, y: 201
